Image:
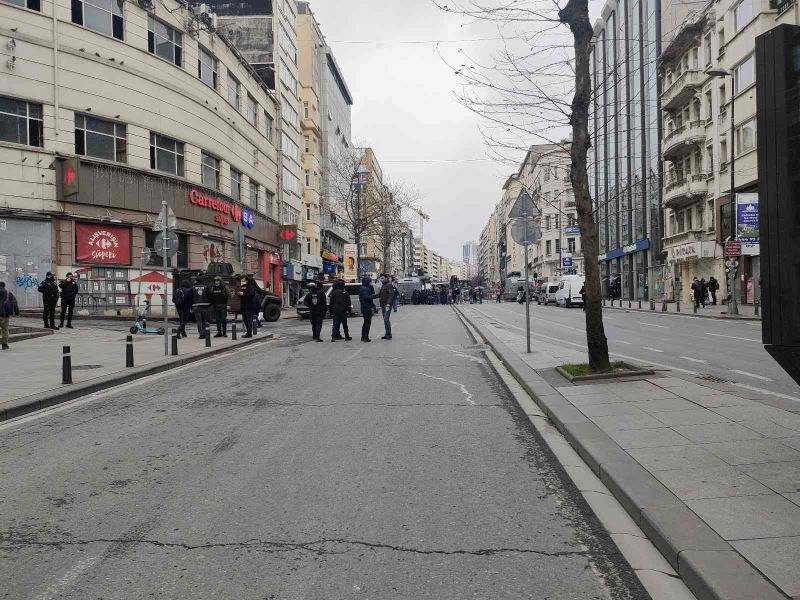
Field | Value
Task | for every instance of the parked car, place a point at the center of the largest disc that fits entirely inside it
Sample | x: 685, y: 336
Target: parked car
x: 351, y: 288
x: 569, y: 291
x: 547, y: 294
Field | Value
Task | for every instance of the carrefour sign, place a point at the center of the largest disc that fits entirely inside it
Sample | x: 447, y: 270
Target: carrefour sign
x: 224, y: 208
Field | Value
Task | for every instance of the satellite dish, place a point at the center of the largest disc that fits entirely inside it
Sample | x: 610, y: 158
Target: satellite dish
x: 526, y: 232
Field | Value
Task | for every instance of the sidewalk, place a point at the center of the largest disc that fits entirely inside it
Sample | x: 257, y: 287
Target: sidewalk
x: 33, y: 367
x: 710, y: 311
x: 711, y: 474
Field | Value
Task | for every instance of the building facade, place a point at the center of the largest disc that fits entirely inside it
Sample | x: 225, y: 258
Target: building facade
x: 625, y: 158
x: 487, y: 261
x: 104, y: 118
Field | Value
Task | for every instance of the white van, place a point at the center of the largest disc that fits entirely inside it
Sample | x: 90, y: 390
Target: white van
x: 569, y: 291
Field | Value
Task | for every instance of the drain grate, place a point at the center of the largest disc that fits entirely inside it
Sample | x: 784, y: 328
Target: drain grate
x: 713, y: 379
x: 86, y: 367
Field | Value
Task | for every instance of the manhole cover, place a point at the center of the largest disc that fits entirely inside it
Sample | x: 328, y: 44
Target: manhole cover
x: 86, y: 367
x: 712, y: 378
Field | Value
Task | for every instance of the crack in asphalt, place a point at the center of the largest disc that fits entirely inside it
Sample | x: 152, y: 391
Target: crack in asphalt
x: 315, y: 546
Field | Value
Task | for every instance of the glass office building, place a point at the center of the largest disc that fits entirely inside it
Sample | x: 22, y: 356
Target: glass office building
x: 625, y: 165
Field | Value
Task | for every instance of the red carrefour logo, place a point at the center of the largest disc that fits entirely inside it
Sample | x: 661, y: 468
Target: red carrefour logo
x: 287, y: 233
x: 215, y: 204
x: 69, y: 175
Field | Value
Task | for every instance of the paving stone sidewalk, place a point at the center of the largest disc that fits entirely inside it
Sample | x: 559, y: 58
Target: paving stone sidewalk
x: 731, y: 457
x: 97, y: 348
x: 709, y: 311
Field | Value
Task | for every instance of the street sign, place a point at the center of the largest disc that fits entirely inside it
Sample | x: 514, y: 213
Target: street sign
x: 524, y: 205
x: 566, y: 262
x: 524, y: 233
x: 172, y: 244
x: 733, y: 248
x: 172, y: 220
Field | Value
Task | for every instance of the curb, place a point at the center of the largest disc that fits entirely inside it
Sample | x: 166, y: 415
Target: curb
x: 29, y: 404
x: 686, y: 314
x: 709, y: 566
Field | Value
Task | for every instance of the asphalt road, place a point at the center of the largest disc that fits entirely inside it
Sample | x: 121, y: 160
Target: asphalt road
x: 729, y: 350
x: 299, y: 471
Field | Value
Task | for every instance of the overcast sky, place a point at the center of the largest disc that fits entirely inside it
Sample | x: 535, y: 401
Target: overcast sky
x: 404, y: 107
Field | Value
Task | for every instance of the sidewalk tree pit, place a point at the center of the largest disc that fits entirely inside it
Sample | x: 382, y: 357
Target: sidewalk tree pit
x: 583, y: 372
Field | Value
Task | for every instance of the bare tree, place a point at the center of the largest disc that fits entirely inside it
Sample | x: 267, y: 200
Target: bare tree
x: 532, y: 90
x: 395, y: 203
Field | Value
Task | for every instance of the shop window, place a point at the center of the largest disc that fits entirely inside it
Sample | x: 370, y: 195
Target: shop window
x: 100, y: 138
x: 31, y: 4
x: 207, y: 68
x: 233, y: 91
x: 21, y: 122
x: 104, y: 16
x: 236, y: 185
x: 210, y: 171
x: 166, y: 155
x: 164, y: 41
x: 180, y: 261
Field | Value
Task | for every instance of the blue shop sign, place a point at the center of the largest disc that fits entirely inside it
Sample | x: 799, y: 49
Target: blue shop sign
x: 573, y: 230
x: 328, y: 267
x: 638, y: 246
x: 287, y: 271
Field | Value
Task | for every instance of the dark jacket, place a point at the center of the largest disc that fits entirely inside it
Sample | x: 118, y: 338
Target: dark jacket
x: 49, y: 291
x: 697, y: 289
x: 366, y: 295
x: 201, y: 295
x: 182, y: 295
x: 386, y: 295
x: 69, y: 290
x: 340, y: 300
x: 8, y: 304
x: 713, y: 285
x: 251, y: 295
x: 315, y: 301
x: 219, y: 296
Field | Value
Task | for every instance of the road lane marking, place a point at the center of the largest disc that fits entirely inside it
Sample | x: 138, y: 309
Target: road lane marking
x: 697, y: 360
x: 624, y: 342
x: 464, y: 389
x: 761, y: 377
x: 733, y: 337
x: 652, y: 349
x: 652, y: 325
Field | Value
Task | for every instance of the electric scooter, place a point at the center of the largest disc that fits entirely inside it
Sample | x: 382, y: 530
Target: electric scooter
x: 140, y: 326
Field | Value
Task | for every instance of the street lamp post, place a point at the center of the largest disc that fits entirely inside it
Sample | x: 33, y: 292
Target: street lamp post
x: 733, y: 305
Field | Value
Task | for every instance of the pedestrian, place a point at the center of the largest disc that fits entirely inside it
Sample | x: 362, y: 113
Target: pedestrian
x: 8, y: 308
x: 69, y: 291
x: 341, y: 306
x: 49, y: 291
x: 704, y: 290
x: 317, y: 305
x: 697, y: 292
x: 182, y: 299
x: 366, y: 295
x: 583, y: 296
x: 480, y: 295
x: 443, y: 295
x: 713, y: 286
x: 498, y: 296
x: 385, y: 298
x: 201, y: 301
x: 219, y: 306
x: 396, y: 303
x: 249, y: 293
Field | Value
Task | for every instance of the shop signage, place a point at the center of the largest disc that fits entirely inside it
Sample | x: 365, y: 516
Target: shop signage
x: 573, y: 230
x: 566, y: 262
x: 685, y: 251
x: 224, y: 208
x: 747, y: 224
x: 102, y: 244
x: 287, y: 233
x: 733, y: 248
x: 350, y: 262
x: 638, y: 246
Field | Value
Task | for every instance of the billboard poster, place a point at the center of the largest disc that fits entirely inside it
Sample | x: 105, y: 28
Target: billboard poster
x: 351, y: 262
x: 747, y: 224
x: 102, y: 244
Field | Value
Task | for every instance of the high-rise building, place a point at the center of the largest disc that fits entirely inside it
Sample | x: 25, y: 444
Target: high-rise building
x: 625, y: 165
x: 471, y: 251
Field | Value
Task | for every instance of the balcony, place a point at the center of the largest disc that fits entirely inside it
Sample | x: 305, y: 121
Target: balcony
x: 683, y: 140
x: 684, y: 237
x: 682, y: 191
x: 682, y: 89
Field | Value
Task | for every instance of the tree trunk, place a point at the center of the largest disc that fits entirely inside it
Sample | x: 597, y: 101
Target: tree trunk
x: 576, y: 15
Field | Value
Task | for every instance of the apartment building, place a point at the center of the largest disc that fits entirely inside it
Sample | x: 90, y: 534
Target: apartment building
x: 104, y: 115
x: 487, y: 257
x: 709, y: 77
x: 370, y: 255
x: 510, y: 255
x: 625, y: 158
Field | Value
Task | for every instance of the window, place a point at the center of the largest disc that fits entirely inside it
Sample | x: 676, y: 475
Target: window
x: 744, y: 12
x: 100, y: 138
x: 209, y: 171
x: 104, y: 16
x: 252, y: 111
x: 164, y: 41
x: 709, y: 159
x: 288, y: 79
x: 688, y: 217
x: 745, y: 74
x: 236, y: 185
x: 721, y: 36
x: 21, y: 122
x: 548, y: 247
x: 308, y: 179
x: 207, y: 68
x: 288, y: 46
x: 233, y: 91
x: 547, y: 223
x: 31, y: 4
x: 269, y: 201
x: 709, y: 106
x: 707, y: 48
x: 571, y: 245
x: 547, y: 173
x: 290, y: 114
x: 308, y: 247
x: 290, y: 216
x: 253, y: 197
x: 288, y: 11
x: 746, y: 137
x: 290, y: 182
x: 269, y: 126
x: 710, y: 210
x: 307, y: 144
x: 290, y: 149
x: 722, y: 99
x: 305, y: 109
x: 156, y: 258
x: 696, y: 58
x: 558, y: 222
x: 558, y: 245
x: 699, y: 216
x: 723, y: 154
x: 166, y: 155
x: 308, y: 212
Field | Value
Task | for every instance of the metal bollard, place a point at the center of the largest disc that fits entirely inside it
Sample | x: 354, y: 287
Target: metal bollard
x: 640, y: 304
x: 629, y: 304
x: 66, y: 366
x: 208, y: 337
x: 604, y: 301
x: 677, y: 306
x: 652, y: 304
x: 233, y: 331
x: 694, y: 307
x: 664, y: 306
x: 129, y: 352
x: 174, y: 342
x: 255, y: 327
x: 756, y: 311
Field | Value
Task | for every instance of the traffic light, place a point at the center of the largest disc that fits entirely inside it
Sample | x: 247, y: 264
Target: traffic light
x: 535, y: 276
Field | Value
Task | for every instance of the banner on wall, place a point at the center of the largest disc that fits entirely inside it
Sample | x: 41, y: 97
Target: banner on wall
x: 350, y: 262
x: 747, y: 223
x: 98, y: 243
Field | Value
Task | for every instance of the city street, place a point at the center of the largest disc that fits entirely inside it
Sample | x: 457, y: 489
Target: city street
x: 294, y: 470
x: 724, y: 349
